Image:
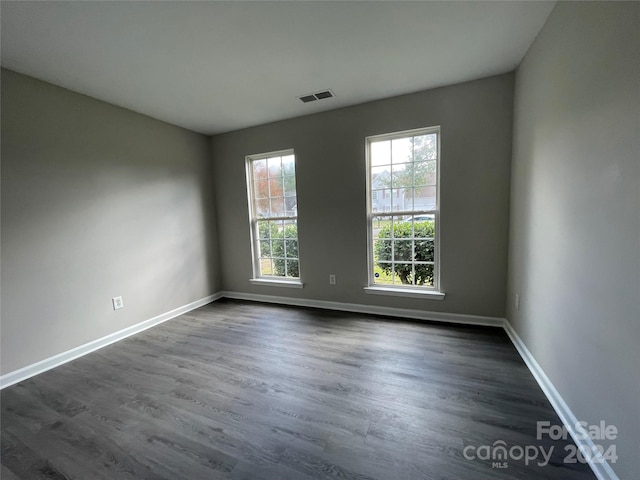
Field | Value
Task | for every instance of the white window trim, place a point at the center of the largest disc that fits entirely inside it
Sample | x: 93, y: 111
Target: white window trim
x: 257, y: 279
x: 426, y: 292
x: 272, y: 282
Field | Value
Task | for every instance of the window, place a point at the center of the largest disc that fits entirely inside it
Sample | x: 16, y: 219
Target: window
x: 403, y: 215
x: 274, y: 220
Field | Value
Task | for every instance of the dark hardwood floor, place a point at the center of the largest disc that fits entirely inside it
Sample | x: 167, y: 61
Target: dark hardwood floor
x: 238, y: 390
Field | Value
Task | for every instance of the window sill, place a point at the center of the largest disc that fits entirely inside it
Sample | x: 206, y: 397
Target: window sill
x: 277, y: 283
x: 405, y: 292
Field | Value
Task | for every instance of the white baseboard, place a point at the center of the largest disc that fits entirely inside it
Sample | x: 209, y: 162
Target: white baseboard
x: 371, y: 309
x: 64, y: 357
x: 602, y: 470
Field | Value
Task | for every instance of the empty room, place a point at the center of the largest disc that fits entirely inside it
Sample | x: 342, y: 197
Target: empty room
x: 295, y: 240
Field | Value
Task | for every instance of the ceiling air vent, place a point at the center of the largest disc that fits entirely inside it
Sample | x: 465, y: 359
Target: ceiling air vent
x: 312, y: 97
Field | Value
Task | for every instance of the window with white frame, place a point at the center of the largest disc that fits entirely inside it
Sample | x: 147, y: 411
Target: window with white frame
x: 273, y: 213
x: 403, y: 215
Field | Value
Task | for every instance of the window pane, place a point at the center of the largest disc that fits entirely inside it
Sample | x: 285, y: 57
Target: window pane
x: 424, y: 275
x: 266, y: 229
x: 276, y: 187
x: 279, y: 267
x: 262, y: 207
x: 425, y: 147
x: 401, y: 228
x: 425, y: 198
x: 424, y: 250
x: 382, y: 201
x: 401, y: 176
x: 425, y: 173
x: 288, y: 165
x: 381, y: 226
x: 291, y: 248
x: 277, y: 207
x: 407, y: 198
x: 423, y: 226
x: 419, y: 199
x: 277, y: 231
x: 290, y: 206
x: 266, y: 266
x: 289, y: 184
x: 383, y: 250
x: 380, y: 153
x: 260, y: 185
x: 275, y: 166
x: 381, y: 177
x: 260, y: 168
x: 265, y: 248
x: 293, y: 270
x: 277, y: 247
x: 420, y: 171
x: 403, y: 272
x: 403, y: 250
x: 383, y: 274
x: 401, y: 150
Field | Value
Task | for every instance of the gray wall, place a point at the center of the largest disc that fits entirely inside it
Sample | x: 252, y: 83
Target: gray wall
x: 97, y: 201
x: 476, y: 121
x: 575, y: 213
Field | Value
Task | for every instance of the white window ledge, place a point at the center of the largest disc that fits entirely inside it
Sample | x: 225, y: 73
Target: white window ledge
x: 405, y: 292
x: 277, y: 282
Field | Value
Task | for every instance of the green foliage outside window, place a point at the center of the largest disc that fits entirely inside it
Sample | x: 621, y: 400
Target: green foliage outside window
x: 275, y: 243
x: 418, y: 247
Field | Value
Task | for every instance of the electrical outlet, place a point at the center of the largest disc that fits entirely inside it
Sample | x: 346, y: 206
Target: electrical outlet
x: 517, y: 302
x: 332, y: 279
x: 117, y: 303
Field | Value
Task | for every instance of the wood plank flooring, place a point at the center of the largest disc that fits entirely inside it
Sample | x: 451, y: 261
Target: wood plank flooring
x: 238, y: 390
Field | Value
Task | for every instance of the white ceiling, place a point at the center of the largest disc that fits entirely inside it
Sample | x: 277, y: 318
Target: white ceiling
x: 214, y: 67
